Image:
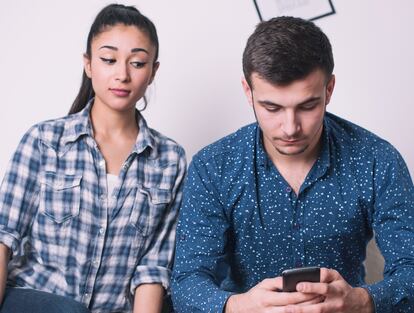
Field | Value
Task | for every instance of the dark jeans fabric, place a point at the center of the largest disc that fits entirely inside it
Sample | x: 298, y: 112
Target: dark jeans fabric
x: 22, y: 300
x: 19, y: 300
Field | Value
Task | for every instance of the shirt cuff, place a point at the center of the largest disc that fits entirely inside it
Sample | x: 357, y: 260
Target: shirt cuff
x: 380, y: 296
x: 151, y: 275
x: 10, y: 240
x: 198, y: 296
x: 219, y: 301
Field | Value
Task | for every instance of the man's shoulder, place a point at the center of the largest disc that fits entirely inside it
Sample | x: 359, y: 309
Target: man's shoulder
x: 356, y: 139
x: 238, y: 143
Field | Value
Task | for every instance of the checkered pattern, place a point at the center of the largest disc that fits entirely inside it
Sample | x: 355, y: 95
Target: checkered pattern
x: 68, y: 236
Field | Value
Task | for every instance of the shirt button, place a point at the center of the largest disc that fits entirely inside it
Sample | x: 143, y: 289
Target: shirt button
x: 86, y: 295
x: 298, y: 264
x: 288, y: 189
x: 296, y: 226
x: 101, y: 230
x: 102, y: 197
x: 102, y: 163
x: 95, y: 262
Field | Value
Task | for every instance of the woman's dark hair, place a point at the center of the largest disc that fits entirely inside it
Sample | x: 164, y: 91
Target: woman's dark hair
x: 109, y: 16
x: 285, y: 49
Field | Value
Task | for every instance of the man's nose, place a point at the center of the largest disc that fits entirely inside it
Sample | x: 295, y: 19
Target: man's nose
x: 291, y: 125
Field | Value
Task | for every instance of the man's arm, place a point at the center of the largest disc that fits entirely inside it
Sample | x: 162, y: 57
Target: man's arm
x: 200, y: 248
x: 148, y: 298
x: 392, y: 219
x: 201, y: 252
x: 4, y: 260
x: 393, y: 223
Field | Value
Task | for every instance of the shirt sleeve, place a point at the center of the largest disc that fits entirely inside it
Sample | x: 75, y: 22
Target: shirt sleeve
x: 155, y: 265
x: 19, y: 190
x: 201, y: 245
x: 393, y: 223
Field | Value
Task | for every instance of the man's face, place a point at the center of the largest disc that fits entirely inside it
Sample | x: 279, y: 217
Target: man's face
x: 290, y: 116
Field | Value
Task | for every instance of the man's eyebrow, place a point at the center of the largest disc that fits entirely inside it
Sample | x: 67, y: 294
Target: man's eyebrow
x: 311, y: 99
x: 134, y: 50
x: 109, y: 47
x: 268, y: 102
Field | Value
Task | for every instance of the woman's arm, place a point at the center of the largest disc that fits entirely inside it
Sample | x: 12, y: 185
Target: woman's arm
x: 148, y: 298
x: 4, y: 260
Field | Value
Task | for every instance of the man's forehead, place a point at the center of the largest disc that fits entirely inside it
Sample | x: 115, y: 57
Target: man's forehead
x: 314, y: 77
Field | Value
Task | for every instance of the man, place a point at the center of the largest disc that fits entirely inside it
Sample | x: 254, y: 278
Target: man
x: 301, y: 187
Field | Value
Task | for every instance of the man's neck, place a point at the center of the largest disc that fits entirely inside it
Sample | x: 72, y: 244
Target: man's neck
x: 295, y: 168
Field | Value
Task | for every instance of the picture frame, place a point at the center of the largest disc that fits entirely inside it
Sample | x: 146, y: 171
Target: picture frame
x: 307, y: 9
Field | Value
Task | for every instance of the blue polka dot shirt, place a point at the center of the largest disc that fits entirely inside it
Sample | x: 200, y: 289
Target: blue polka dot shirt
x: 240, y: 221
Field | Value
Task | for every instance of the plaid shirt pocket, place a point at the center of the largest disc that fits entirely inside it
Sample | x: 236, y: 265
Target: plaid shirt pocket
x: 54, y: 230
x: 60, y: 196
x: 150, y: 207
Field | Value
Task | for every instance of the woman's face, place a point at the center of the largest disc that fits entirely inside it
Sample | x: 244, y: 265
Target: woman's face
x: 121, y: 66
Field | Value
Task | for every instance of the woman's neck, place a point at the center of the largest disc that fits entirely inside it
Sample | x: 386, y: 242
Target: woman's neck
x: 109, y: 122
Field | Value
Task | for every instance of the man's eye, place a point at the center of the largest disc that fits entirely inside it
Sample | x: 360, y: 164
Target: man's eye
x: 272, y: 109
x: 309, y: 107
x: 138, y: 64
x: 108, y: 61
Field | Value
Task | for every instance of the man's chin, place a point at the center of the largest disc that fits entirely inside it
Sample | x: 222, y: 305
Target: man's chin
x: 291, y: 150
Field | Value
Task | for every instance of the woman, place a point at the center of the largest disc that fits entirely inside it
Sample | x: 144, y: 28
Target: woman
x: 88, y: 205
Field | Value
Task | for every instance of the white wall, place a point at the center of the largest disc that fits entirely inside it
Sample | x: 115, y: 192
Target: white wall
x: 197, y: 96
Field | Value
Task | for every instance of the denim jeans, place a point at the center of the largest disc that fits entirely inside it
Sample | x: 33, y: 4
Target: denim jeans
x: 20, y: 300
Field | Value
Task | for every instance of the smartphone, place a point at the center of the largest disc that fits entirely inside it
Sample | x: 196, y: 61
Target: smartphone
x: 294, y: 276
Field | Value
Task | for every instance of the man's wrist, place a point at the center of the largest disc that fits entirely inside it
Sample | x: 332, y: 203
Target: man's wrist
x: 366, y: 300
x: 230, y: 306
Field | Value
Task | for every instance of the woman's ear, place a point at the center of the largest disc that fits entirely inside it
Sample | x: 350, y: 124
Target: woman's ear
x: 154, y: 71
x: 87, y: 65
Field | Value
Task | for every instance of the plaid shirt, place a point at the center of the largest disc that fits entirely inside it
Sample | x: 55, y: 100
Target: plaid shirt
x: 66, y: 237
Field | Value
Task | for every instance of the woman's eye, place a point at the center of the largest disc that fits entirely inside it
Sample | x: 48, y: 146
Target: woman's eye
x: 138, y: 64
x: 108, y: 61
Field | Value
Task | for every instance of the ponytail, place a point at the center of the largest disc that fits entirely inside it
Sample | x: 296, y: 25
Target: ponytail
x: 85, y: 94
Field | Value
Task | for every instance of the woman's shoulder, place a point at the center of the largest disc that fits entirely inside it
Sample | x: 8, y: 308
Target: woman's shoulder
x: 165, y: 147
x: 58, y: 131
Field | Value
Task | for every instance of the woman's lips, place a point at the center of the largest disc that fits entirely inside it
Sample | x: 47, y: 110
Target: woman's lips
x: 120, y: 92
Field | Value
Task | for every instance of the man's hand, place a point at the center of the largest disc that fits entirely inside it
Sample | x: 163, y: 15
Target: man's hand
x: 339, y: 296
x: 264, y: 297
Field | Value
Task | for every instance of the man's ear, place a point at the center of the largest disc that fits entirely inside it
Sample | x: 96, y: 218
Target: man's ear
x: 247, y: 91
x: 87, y: 65
x: 330, y: 88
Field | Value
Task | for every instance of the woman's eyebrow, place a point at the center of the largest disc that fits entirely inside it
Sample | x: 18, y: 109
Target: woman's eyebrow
x: 132, y: 50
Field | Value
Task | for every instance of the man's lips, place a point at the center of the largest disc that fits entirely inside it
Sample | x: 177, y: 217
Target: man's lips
x: 120, y: 92
x: 291, y: 142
